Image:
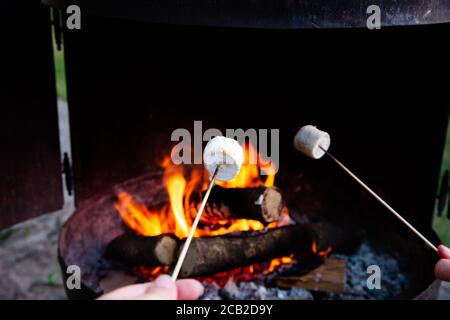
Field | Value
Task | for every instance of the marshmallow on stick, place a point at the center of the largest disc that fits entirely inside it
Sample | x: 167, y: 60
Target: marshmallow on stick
x: 225, y: 153
x: 315, y: 143
x: 312, y: 141
x: 223, y: 158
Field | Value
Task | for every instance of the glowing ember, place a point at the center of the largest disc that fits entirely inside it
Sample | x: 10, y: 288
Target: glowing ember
x: 323, y: 253
x: 275, y: 263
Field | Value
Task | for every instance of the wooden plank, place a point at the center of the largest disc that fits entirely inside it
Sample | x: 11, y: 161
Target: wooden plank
x: 30, y: 168
x: 329, y: 277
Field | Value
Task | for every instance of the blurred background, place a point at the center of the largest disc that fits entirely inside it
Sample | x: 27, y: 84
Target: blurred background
x: 441, y: 222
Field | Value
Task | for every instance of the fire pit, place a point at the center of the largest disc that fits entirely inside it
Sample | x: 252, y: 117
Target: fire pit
x: 133, y: 232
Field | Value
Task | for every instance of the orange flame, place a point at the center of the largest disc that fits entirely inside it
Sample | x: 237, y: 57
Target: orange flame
x: 177, y: 215
x: 322, y: 253
x: 249, y: 175
x: 275, y: 263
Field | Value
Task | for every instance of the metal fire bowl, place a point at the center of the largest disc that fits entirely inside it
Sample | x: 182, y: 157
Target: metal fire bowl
x: 96, y: 222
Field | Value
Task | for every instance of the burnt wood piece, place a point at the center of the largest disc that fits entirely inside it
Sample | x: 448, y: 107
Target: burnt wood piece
x: 210, y: 255
x: 261, y: 203
x: 328, y: 277
x: 134, y: 250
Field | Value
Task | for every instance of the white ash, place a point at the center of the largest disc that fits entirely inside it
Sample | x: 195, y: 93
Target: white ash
x: 251, y: 290
x: 393, y: 281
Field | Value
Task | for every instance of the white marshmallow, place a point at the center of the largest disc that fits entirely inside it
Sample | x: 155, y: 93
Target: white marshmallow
x: 225, y: 152
x: 309, y: 138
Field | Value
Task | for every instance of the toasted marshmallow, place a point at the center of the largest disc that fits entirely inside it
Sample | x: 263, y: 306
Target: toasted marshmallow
x: 227, y: 154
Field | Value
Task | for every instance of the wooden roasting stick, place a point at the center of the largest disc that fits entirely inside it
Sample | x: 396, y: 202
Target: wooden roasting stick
x: 384, y: 203
x: 223, y: 158
x: 315, y: 143
x: 183, y: 253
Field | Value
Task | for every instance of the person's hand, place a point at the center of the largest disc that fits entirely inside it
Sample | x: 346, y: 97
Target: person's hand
x: 163, y: 288
x: 442, y: 268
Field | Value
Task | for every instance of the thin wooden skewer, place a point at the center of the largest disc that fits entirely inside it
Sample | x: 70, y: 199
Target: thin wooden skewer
x: 381, y: 200
x: 179, y: 264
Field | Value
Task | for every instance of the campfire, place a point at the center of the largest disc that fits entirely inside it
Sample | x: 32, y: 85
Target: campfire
x: 176, y: 216
x: 302, y: 233
x: 238, y: 237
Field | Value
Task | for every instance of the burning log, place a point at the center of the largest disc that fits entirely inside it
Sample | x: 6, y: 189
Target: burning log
x: 262, y: 204
x: 135, y: 250
x: 210, y: 255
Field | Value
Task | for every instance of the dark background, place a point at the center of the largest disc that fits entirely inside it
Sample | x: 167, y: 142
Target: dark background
x: 381, y: 94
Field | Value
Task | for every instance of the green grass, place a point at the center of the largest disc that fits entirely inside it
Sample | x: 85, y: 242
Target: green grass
x: 442, y: 224
x: 5, y: 234
x: 52, y: 278
x: 60, y: 72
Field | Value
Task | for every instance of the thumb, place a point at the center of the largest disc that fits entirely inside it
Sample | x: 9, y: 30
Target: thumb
x: 444, y: 252
x: 163, y: 288
x: 442, y: 270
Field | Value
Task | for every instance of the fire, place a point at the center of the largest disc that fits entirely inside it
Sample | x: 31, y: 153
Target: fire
x: 249, y: 175
x: 176, y: 184
x: 322, y: 253
x: 138, y: 217
x: 177, y: 215
x: 275, y: 263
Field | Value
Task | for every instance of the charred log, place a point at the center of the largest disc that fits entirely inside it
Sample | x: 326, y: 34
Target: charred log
x: 134, y: 250
x: 262, y: 204
x: 210, y: 255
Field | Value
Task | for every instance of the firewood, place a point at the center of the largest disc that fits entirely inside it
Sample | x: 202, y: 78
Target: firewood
x: 329, y: 277
x: 210, y: 255
x: 263, y: 204
x: 134, y: 250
